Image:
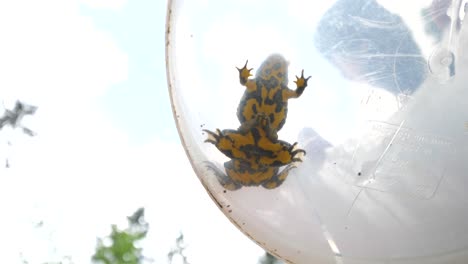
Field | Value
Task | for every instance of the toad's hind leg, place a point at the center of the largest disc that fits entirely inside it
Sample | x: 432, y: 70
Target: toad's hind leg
x: 278, y: 178
x: 223, y: 179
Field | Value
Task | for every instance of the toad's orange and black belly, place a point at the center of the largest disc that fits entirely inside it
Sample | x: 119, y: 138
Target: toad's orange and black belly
x: 268, y: 92
x: 254, y: 145
x: 255, y: 151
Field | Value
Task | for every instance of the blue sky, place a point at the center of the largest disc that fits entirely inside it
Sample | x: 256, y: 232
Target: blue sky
x: 107, y: 144
x: 139, y: 105
x: 106, y: 136
x: 106, y: 141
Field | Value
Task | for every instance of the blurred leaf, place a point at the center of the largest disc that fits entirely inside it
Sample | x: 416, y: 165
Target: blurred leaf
x: 269, y: 259
x: 13, y: 117
x: 122, y: 248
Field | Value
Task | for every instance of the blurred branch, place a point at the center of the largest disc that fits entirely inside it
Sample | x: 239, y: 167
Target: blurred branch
x: 13, y: 117
x: 178, y: 250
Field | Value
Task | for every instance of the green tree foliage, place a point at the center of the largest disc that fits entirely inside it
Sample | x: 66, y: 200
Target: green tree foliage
x: 122, y: 248
x: 267, y: 258
x: 13, y: 119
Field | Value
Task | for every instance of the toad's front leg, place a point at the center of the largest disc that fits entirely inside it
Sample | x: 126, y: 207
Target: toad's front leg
x: 301, y: 84
x: 244, y: 79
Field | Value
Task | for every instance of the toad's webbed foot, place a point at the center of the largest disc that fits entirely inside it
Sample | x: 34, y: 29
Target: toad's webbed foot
x: 222, y: 178
x: 301, y: 83
x: 283, y: 154
x: 295, y: 152
x: 278, y: 178
x: 244, y: 74
x: 213, y: 137
x: 231, y: 143
x: 222, y: 141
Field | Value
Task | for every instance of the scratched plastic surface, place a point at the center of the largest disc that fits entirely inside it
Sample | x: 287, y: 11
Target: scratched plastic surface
x: 384, y: 122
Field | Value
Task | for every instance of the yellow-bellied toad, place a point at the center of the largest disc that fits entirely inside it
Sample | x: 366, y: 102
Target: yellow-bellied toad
x: 255, y: 151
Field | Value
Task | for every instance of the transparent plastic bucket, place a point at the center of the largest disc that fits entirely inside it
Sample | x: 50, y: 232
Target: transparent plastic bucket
x: 383, y: 122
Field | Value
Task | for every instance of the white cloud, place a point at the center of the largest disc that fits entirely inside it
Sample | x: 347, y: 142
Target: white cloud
x: 307, y: 12
x: 55, y: 58
x: 50, y: 53
x: 81, y: 174
x: 105, y: 4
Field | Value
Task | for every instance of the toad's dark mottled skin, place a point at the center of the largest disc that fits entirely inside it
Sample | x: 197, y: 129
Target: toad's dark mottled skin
x: 255, y: 151
x: 268, y: 92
